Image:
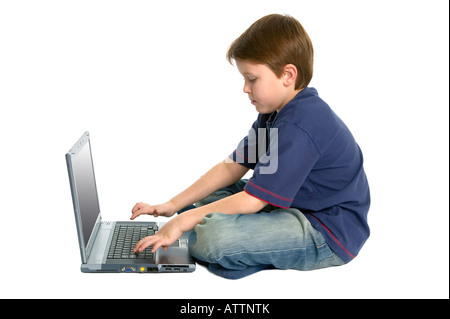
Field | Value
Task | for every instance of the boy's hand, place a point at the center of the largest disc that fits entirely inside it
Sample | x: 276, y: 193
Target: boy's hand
x: 165, y: 237
x: 166, y: 210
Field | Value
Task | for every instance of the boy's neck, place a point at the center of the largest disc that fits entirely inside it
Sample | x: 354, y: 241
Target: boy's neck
x: 289, y: 98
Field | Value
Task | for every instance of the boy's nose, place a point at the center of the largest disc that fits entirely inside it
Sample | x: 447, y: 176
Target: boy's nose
x: 246, y: 88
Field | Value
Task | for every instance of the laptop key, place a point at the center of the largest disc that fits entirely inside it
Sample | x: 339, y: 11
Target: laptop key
x: 125, y: 239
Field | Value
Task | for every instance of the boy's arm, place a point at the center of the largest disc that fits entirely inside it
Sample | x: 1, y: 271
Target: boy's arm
x: 240, y: 203
x: 223, y: 174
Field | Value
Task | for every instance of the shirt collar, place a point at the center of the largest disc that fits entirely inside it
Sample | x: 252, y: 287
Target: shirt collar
x: 292, y: 103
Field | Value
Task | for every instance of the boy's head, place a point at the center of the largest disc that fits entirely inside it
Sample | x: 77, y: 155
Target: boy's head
x: 276, y: 41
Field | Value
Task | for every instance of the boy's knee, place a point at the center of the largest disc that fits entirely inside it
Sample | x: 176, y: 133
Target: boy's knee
x: 212, y: 238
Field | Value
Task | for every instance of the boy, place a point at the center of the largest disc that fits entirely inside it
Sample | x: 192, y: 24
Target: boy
x: 306, y: 205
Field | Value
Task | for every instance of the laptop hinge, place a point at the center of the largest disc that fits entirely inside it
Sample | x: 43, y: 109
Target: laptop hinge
x: 94, y: 233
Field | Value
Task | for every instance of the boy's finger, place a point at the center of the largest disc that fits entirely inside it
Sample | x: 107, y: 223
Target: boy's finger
x: 136, y: 207
x: 134, y: 211
x: 140, y: 211
x: 156, y: 245
x: 144, y: 243
x: 134, y: 215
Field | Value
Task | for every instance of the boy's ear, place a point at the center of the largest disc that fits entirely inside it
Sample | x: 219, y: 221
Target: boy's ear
x: 289, y: 74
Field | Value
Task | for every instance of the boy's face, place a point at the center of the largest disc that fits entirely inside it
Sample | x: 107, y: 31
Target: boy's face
x: 267, y: 92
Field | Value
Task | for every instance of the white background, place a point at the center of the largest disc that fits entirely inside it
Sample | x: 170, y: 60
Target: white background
x: 149, y: 80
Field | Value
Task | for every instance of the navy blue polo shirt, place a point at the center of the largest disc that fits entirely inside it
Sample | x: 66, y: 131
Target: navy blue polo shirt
x: 311, y: 162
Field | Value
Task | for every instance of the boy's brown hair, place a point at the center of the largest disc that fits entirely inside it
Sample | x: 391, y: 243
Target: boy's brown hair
x: 276, y: 40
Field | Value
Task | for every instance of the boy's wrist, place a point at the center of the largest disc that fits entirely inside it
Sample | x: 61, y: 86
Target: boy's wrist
x: 173, y: 206
x: 188, y: 220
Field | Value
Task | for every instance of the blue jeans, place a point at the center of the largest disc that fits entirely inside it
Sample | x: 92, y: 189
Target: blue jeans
x: 235, y: 246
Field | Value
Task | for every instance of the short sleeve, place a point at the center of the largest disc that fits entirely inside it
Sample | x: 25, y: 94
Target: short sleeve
x: 240, y: 154
x: 279, y: 174
x: 246, y: 151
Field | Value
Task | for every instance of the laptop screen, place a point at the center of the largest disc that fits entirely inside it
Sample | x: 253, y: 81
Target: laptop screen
x: 86, y: 190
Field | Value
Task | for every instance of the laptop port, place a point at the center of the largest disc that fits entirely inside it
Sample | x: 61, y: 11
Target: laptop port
x: 176, y: 266
x: 128, y: 269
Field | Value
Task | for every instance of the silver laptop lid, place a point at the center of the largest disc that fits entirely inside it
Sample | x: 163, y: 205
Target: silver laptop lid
x: 84, y: 193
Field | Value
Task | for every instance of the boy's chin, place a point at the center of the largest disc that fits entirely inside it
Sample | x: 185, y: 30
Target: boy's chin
x: 263, y: 110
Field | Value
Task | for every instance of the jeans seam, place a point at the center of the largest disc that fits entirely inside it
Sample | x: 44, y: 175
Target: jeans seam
x: 259, y: 252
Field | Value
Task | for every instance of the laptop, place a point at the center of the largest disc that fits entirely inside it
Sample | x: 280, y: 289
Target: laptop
x: 107, y: 246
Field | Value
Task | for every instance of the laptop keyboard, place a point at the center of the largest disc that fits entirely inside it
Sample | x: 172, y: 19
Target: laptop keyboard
x: 124, y: 239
